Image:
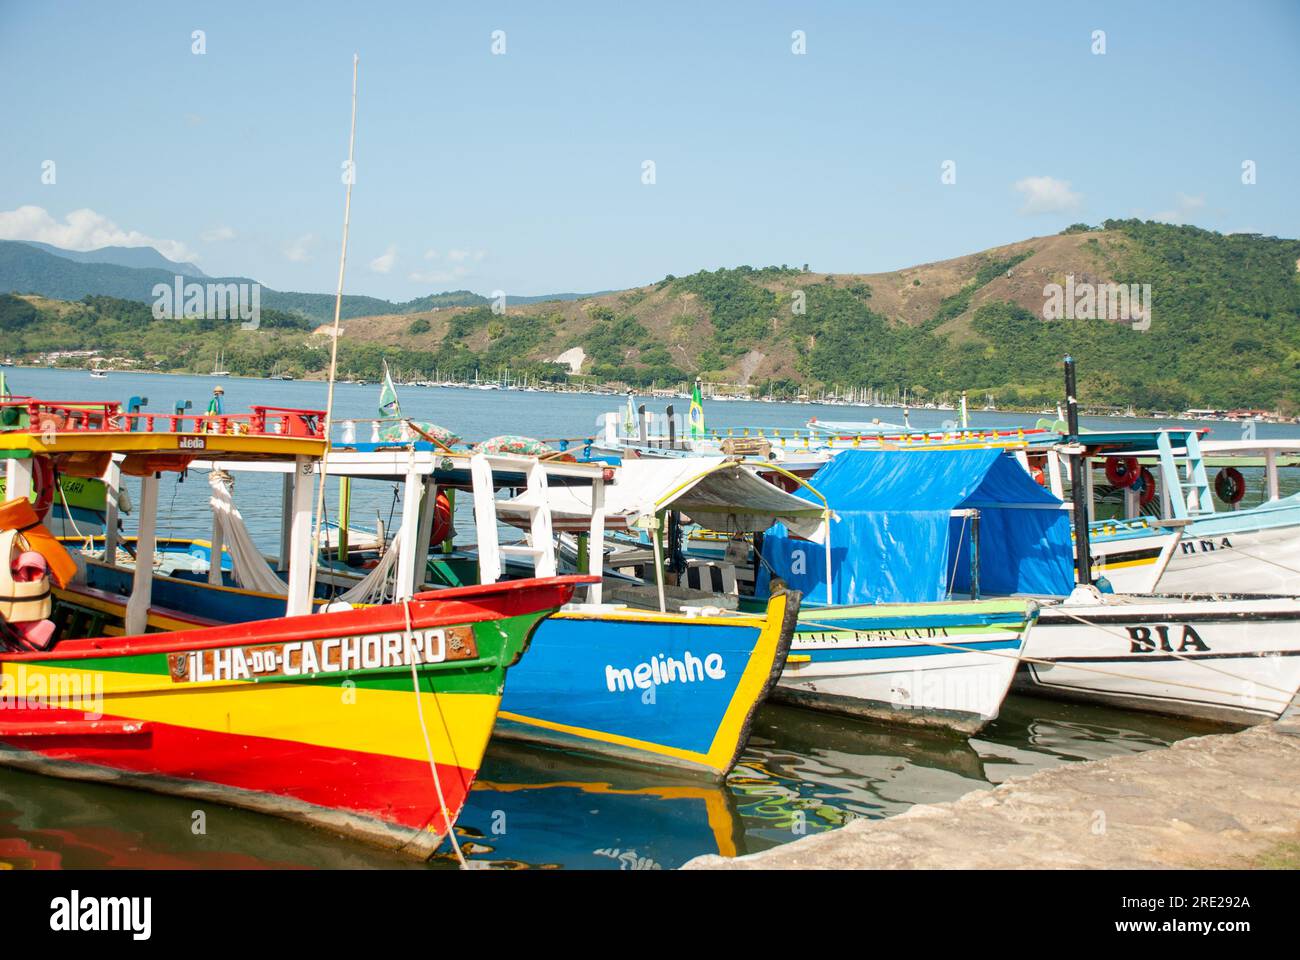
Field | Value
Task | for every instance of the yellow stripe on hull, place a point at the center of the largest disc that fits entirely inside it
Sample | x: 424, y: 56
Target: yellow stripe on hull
x: 332, y: 716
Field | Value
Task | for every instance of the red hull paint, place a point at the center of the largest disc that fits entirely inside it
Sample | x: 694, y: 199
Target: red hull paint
x: 384, y: 788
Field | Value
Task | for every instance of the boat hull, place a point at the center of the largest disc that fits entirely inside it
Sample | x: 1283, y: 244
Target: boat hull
x: 313, y: 718
x: 667, y: 690
x: 1261, y: 561
x: 1227, y: 660
x: 874, y: 662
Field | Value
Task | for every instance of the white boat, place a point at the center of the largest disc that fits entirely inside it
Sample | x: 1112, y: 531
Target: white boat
x: 98, y: 375
x: 1231, y: 659
x: 217, y: 369
x: 944, y: 665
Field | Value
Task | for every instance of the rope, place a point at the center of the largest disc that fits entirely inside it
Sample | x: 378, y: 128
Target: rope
x: 87, y: 542
x: 334, y: 344
x: 424, y: 730
x: 956, y: 554
x: 1052, y: 663
x: 1255, y: 556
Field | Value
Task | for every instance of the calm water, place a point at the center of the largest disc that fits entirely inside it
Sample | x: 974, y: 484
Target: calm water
x: 802, y: 773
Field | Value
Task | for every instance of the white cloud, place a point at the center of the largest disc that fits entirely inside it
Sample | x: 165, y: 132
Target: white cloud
x: 1047, y: 195
x: 1185, y: 207
x: 217, y: 234
x: 82, y: 230
x: 431, y: 254
x: 384, y: 262
x: 439, y: 276
x: 298, y: 251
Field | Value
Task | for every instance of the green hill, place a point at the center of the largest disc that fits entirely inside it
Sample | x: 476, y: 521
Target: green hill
x: 1224, y: 326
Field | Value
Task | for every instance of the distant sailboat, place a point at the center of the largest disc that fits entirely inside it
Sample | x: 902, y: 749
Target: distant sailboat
x: 217, y: 369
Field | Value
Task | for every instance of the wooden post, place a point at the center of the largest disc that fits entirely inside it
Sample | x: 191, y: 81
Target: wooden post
x: 137, y: 607
x: 18, y: 477
x: 449, y: 544
x: 1270, y: 475
x: 214, y: 564
x: 596, y: 557
x: 112, y: 485
x: 345, y: 516
x: 411, y: 491
x: 584, y: 543
x: 659, y: 561
x: 428, y: 505
x: 302, y: 551
x: 286, y: 522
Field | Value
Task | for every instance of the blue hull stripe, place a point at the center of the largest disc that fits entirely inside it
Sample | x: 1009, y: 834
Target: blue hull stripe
x: 906, y: 652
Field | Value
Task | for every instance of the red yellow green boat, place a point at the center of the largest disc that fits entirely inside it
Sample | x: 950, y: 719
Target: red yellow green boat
x: 371, y: 721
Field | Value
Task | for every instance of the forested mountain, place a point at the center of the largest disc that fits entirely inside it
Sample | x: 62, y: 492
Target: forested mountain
x: 1222, y: 330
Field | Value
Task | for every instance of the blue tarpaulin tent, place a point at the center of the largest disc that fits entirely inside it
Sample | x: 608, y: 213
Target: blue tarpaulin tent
x: 896, y: 540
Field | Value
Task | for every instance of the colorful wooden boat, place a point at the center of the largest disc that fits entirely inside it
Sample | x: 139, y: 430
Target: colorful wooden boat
x: 668, y: 689
x: 313, y: 718
x: 371, y: 721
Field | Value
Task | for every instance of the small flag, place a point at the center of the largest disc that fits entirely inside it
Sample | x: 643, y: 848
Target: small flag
x: 695, y: 417
x: 388, y: 404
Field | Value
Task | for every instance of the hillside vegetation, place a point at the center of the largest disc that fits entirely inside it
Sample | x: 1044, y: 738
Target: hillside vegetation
x: 1224, y: 327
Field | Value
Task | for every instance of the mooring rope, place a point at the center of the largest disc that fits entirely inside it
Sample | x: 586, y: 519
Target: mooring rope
x: 328, y: 425
x: 428, y: 747
x: 1172, y: 653
x: 832, y: 628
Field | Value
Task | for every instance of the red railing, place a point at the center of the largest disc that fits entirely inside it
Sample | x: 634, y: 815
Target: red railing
x: 109, y: 417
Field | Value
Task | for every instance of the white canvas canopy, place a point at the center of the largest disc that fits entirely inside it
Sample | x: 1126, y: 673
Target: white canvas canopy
x: 721, y: 495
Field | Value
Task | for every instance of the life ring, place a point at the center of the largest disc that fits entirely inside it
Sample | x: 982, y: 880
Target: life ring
x: 1121, y: 471
x: 441, y: 519
x: 43, y: 479
x: 1145, y: 483
x: 1230, y: 485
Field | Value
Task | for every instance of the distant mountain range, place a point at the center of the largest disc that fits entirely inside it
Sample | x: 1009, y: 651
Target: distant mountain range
x: 143, y: 258
x: 1219, y: 324
x: 130, y: 273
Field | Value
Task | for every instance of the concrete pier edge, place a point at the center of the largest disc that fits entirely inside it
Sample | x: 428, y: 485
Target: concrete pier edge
x: 1223, y: 800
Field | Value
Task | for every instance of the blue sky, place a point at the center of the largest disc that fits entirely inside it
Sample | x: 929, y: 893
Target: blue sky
x: 523, y: 172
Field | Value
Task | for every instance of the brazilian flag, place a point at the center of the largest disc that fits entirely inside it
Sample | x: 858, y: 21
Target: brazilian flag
x: 695, y: 418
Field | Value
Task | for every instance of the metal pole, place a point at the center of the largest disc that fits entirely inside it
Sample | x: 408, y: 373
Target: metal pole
x: 1078, y: 464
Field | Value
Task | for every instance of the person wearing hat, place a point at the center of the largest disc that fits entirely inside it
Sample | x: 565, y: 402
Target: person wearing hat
x: 216, y: 406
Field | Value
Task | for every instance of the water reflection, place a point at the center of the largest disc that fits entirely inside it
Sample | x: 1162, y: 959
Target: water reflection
x: 803, y: 773
x: 549, y: 808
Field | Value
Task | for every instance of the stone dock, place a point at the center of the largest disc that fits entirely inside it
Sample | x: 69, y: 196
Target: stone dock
x: 1228, y: 800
